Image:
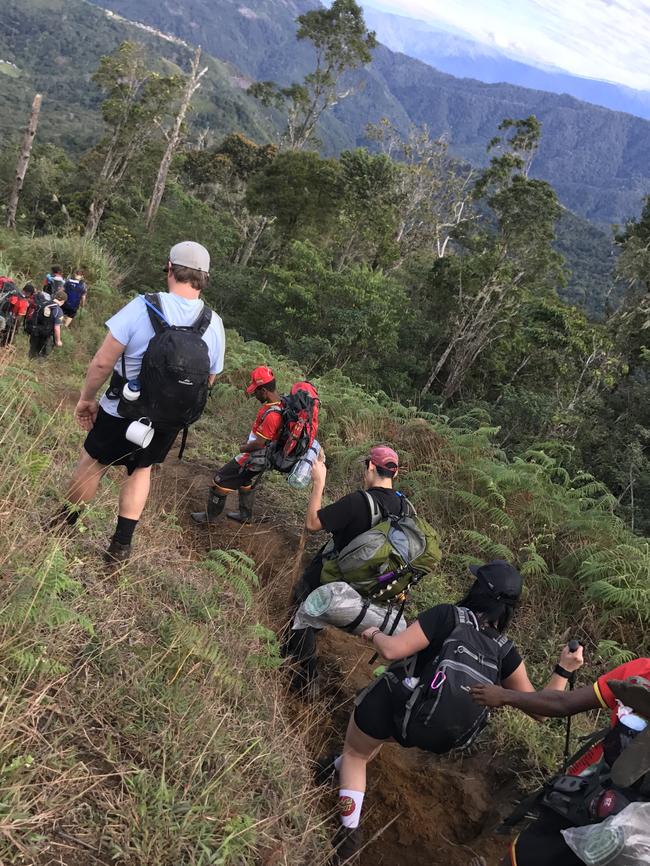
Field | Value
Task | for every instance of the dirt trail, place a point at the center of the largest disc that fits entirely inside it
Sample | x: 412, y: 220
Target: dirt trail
x: 423, y: 809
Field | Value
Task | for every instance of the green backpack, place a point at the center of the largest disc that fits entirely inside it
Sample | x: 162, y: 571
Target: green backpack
x: 384, y: 561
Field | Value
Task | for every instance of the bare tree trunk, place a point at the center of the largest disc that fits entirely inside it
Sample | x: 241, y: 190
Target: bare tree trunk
x: 193, y: 83
x: 23, y: 161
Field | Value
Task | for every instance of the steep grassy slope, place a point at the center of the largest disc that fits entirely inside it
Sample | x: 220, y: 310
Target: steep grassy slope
x: 56, y: 46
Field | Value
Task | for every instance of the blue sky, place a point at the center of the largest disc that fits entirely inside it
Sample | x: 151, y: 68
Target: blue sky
x: 607, y: 40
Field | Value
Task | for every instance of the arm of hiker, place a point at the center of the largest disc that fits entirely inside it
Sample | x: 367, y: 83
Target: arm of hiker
x: 212, y: 378
x: 519, y: 681
x: 548, y: 703
x: 397, y: 646
x: 318, y: 476
x: 57, y: 336
x: 98, y: 372
x: 255, y: 444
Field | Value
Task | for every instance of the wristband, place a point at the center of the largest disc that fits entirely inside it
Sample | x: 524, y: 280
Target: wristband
x: 374, y: 634
x: 562, y: 672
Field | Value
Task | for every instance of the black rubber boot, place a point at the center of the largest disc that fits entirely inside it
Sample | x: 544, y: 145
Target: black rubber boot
x: 347, y: 843
x: 300, y: 648
x: 213, y: 509
x: 245, y: 513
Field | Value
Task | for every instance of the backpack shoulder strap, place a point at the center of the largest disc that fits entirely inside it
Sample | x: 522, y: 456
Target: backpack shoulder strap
x: 203, y: 320
x: 408, y: 509
x: 464, y: 616
x: 154, y: 308
x: 376, y: 513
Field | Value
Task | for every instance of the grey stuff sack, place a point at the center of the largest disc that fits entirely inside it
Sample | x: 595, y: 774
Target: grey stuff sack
x: 340, y: 605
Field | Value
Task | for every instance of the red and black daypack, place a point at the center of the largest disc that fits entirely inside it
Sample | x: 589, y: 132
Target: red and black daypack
x: 36, y: 303
x: 174, y: 374
x: 299, y: 411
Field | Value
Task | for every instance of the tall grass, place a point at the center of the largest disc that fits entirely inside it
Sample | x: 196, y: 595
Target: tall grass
x: 142, y: 720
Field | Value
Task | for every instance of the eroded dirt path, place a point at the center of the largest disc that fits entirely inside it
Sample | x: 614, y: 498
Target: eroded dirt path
x: 423, y: 810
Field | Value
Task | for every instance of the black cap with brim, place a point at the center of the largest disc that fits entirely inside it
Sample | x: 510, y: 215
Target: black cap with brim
x: 502, y: 579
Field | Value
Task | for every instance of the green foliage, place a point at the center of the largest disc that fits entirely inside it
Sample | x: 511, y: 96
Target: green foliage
x: 236, y: 569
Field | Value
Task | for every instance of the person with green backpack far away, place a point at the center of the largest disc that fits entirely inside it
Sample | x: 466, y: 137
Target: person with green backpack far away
x: 597, y: 809
x: 162, y: 352
x: 378, y: 551
x: 282, y: 436
x: 424, y: 697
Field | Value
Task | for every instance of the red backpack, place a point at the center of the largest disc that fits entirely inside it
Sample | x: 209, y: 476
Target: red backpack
x: 299, y: 411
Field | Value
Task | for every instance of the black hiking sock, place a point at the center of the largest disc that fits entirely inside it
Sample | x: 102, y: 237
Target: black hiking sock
x: 124, y: 530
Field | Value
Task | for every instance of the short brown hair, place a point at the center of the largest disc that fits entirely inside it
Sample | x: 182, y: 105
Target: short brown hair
x: 60, y: 296
x: 197, y: 279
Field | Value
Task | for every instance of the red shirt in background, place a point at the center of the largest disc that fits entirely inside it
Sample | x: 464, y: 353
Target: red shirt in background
x: 18, y: 305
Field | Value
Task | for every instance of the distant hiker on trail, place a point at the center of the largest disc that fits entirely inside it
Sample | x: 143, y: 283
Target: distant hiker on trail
x: 423, y: 698
x: 54, y: 282
x: 77, y: 292
x: 283, y: 432
x: 602, y: 780
x: 163, y: 351
x: 13, y: 305
x: 379, y: 549
x: 45, y: 326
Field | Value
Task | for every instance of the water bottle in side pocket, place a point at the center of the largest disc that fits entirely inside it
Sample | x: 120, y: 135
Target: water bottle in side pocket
x: 300, y: 475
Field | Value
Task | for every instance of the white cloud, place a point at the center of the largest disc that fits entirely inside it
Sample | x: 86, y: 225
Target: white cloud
x: 608, y: 40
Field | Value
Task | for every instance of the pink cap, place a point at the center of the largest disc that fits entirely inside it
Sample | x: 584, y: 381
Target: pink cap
x: 384, y: 457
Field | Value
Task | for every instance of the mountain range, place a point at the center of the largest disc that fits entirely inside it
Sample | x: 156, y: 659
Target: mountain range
x: 463, y: 57
x: 596, y: 159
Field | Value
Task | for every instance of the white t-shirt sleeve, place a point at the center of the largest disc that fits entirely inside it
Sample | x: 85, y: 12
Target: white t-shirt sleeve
x: 218, y: 350
x: 123, y: 324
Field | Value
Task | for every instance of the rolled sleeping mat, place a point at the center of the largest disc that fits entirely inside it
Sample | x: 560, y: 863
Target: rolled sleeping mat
x: 340, y: 605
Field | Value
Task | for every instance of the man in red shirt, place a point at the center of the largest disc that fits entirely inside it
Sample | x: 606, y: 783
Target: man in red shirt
x: 243, y: 472
x: 628, y: 698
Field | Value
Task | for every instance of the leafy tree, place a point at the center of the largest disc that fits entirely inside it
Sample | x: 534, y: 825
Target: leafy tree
x: 301, y: 191
x: 502, y: 267
x: 342, y: 43
x: 434, y: 191
x: 137, y: 100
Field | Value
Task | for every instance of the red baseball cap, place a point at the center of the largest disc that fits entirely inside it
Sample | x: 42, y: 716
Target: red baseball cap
x: 384, y: 457
x: 260, y: 376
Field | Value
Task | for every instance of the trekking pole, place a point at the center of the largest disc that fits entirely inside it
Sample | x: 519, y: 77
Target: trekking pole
x: 573, y: 646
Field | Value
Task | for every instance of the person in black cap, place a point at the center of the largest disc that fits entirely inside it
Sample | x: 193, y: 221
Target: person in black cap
x: 388, y: 710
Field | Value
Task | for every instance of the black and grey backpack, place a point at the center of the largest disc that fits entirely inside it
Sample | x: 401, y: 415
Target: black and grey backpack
x: 439, y: 714
x: 174, y: 374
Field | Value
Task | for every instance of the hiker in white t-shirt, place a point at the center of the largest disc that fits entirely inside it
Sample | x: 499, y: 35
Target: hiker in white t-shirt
x: 168, y: 403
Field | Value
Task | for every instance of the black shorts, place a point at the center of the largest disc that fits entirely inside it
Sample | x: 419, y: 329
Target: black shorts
x: 374, y: 716
x: 542, y: 844
x: 70, y: 312
x: 107, y: 443
x: 232, y: 476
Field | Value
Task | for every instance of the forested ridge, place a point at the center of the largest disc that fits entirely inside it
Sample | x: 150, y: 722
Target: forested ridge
x: 423, y: 295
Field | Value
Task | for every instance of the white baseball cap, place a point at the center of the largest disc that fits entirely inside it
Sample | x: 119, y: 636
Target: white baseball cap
x: 189, y: 254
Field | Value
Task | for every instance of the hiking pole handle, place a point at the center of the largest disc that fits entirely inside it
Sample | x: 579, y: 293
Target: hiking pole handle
x: 574, y: 646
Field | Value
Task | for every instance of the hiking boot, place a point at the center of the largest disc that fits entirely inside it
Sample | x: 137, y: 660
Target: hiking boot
x: 214, y: 508
x: 304, y: 684
x: 348, y: 843
x: 245, y: 513
x: 63, y: 521
x: 117, y: 554
x: 325, y: 771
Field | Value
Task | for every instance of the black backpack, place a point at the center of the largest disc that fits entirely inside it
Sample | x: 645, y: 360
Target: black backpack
x: 174, y: 373
x: 440, y: 715
x: 42, y: 321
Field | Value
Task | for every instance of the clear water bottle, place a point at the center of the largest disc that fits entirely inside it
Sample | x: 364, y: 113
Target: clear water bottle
x: 300, y: 475
x: 131, y: 390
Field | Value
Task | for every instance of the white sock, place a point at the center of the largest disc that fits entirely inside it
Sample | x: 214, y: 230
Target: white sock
x: 350, y: 803
x: 337, y: 763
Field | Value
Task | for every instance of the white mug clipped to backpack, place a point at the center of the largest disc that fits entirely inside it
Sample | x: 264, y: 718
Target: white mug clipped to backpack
x: 140, y: 433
